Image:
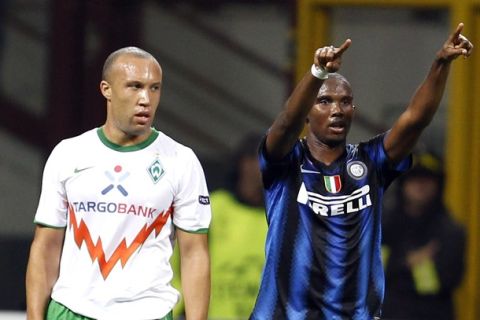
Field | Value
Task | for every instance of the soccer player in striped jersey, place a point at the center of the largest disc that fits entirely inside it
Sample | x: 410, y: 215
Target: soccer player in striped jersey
x: 323, y: 196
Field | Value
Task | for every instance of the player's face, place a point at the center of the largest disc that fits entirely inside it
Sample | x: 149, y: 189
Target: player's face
x: 134, y: 93
x: 330, y: 118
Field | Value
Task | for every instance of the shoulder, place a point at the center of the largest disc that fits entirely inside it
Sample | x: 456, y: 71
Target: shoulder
x: 298, y: 150
x: 168, y: 145
x: 74, y: 143
x: 374, y: 143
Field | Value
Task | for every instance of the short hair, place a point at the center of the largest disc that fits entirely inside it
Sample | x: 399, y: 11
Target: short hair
x: 339, y: 77
x: 134, y: 51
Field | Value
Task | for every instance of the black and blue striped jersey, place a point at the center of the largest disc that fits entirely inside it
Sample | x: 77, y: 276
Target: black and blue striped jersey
x: 323, y: 243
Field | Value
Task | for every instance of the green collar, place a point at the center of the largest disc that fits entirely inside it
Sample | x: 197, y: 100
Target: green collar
x: 142, y: 145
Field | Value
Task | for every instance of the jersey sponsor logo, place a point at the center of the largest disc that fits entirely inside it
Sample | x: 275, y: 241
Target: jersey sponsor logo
x: 204, y: 200
x: 357, y: 170
x: 115, y: 181
x: 112, y: 207
x: 333, y: 184
x: 156, y: 171
x: 335, y: 205
x: 122, y: 252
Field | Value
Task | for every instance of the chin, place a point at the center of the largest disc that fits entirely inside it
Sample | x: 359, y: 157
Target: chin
x: 139, y: 131
x: 336, y: 141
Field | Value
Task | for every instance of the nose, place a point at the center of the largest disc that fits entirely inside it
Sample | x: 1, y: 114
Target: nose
x: 336, y: 108
x: 144, y: 97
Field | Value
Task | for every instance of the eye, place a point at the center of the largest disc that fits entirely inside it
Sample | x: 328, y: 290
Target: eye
x: 346, y: 102
x: 134, y: 85
x: 155, y: 88
x: 323, y: 101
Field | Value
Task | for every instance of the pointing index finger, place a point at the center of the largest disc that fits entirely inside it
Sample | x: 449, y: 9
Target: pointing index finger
x: 457, y: 32
x: 343, y: 47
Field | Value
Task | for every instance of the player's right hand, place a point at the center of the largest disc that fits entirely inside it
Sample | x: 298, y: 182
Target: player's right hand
x: 457, y: 44
x: 330, y: 58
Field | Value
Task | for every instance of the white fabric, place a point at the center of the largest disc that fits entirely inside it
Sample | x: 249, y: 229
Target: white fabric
x: 115, y: 260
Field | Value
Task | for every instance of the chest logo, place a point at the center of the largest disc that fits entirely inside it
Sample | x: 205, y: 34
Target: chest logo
x: 357, y: 170
x: 333, y: 184
x: 156, y: 171
x: 116, y: 178
x: 326, y: 206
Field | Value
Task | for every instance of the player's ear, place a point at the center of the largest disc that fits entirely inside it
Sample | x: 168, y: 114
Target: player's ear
x: 105, y: 89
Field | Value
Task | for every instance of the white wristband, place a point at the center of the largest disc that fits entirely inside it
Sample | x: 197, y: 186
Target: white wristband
x: 319, y: 72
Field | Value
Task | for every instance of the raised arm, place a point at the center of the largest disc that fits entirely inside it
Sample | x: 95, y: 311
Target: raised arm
x: 42, y: 270
x: 424, y: 103
x: 194, y: 274
x: 289, y: 123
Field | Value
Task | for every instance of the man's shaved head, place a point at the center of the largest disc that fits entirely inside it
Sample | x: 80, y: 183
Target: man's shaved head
x: 133, y: 51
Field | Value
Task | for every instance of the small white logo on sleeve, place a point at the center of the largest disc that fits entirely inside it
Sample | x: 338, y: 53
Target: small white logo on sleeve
x: 205, y: 200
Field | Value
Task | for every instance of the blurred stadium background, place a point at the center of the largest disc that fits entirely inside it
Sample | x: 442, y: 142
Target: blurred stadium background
x: 228, y: 67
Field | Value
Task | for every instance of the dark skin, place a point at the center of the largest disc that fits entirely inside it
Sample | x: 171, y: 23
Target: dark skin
x: 327, y: 107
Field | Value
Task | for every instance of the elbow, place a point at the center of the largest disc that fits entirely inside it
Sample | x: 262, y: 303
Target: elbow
x: 420, y: 120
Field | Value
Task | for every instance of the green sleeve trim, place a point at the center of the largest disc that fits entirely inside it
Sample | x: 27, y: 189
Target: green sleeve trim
x: 47, y: 225
x: 199, y: 231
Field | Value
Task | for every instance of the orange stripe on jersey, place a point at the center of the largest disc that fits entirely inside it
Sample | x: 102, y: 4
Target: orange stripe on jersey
x: 81, y: 234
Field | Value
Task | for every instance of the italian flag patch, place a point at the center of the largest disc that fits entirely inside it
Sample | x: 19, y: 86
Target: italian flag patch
x: 333, y: 184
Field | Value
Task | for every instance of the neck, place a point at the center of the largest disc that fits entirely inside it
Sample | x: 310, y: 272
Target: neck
x: 123, y: 138
x: 325, y: 153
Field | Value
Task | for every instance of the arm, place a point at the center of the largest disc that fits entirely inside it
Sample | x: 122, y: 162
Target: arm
x: 289, y: 123
x: 195, y: 273
x: 424, y: 103
x: 42, y: 270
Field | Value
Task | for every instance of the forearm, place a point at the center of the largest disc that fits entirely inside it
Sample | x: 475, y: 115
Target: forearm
x: 41, y: 276
x: 426, y: 99
x: 290, y: 122
x: 419, y: 113
x: 195, y: 275
x: 42, y: 270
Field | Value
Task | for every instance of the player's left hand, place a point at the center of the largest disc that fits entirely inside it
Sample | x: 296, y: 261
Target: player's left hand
x: 456, y: 45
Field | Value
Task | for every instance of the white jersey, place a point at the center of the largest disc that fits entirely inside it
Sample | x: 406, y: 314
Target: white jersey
x: 119, y: 206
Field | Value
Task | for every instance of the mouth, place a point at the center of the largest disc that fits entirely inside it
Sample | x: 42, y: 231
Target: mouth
x: 337, y: 126
x: 142, y: 117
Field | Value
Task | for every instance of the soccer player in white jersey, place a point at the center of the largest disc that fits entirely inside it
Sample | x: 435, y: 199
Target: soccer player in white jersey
x: 114, y: 200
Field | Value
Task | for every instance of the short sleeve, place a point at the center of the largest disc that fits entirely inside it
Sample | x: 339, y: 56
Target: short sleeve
x: 192, y: 212
x: 387, y: 170
x: 52, y: 206
x: 277, y: 170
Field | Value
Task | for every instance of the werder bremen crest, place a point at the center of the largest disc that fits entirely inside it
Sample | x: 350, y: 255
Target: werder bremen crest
x: 156, y: 170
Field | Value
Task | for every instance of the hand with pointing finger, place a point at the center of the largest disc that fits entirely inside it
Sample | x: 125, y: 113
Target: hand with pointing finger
x: 456, y: 45
x: 330, y: 58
